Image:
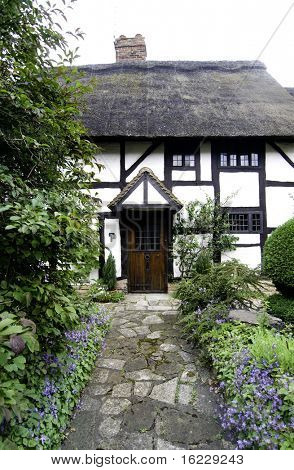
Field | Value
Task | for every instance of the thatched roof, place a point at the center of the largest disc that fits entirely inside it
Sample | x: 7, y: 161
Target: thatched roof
x: 187, y: 99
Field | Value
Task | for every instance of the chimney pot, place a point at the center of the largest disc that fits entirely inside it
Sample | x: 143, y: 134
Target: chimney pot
x: 130, y: 49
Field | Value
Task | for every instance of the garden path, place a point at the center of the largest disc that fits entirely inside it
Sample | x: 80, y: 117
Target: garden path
x: 149, y: 389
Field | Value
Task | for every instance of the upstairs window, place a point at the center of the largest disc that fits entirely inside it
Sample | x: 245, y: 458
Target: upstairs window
x: 184, y: 160
x: 239, y: 155
x: 245, y: 222
x: 189, y: 160
x: 177, y: 160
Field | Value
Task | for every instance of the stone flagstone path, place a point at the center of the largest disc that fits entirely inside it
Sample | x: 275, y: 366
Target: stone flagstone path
x: 149, y: 389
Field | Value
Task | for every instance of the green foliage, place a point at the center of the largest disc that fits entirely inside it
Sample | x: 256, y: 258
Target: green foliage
x: 17, y: 339
x: 281, y: 307
x: 200, y: 231
x: 109, y: 272
x: 56, y: 377
x: 207, y: 298
x: 270, y: 346
x: 98, y: 293
x: 257, y: 382
x: 49, y: 237
x: 278, y: 258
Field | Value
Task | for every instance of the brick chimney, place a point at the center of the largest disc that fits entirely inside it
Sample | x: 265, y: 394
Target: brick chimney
x: 130, y: 49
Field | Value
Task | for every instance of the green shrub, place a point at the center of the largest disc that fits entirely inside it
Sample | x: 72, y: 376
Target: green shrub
x: 207, y: 298
x: 278, y: 258
x: 98, y: 293
x: 109, y: 272
x: 281, y: 307
x: 270, y: 346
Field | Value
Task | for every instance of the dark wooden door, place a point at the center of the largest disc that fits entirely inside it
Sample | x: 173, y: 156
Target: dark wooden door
x: 147, y: 267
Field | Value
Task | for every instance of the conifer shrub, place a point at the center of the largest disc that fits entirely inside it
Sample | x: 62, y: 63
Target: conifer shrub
x: 278, y: 258
x: 109, y: 272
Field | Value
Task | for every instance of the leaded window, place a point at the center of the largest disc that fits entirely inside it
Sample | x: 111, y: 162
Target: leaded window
x: 189, y: 160
x: 245, y: 222
x: 254, y: 159
x: 244, y: 160
x: 177, y: 160
x: 224, y: 159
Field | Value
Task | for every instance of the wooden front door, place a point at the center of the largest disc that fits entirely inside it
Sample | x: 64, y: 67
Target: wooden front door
x: 147, y: 252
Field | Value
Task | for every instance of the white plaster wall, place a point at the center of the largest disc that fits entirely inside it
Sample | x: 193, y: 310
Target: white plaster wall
x: 191, y: 193
x: 93, y: 276
x: 178, y: 175
x: 247, y: 238
x: 106, y: 195
x: 155, y: 161
x: 136, y: 197
x: 241, y: 189
x: 154, y: 197
x: 110, y: 159
x: 250, y: 256
x: 279, y: 205
x: 133, y: 151
x: 112, y: 226
x: 276, y: 168
x: 205, y: 161
x: 288, y: 149
x: 176, y: 269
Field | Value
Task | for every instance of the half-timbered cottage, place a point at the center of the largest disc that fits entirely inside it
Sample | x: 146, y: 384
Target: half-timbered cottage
x: 174, y: 132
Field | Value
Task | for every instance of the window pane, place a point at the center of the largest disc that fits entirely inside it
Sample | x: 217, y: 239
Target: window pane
x: 233, y: 160
x: 239, y: 222
x: 224, y: 159
x: 244, y: 160
x: 254, y: 159
x: 189, y: 160
x: 256, y: 222
x: 177, y: 160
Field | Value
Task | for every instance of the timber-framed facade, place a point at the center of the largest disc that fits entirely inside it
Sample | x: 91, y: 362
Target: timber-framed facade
x: 174, y: 132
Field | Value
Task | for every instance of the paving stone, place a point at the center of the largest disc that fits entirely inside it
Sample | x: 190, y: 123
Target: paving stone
x: 122, y: 390
x: 144, y: 374
x: 149, y: 389
x: 152, y: 319
x: 177, y: 426
x: 165, y: 392
x: 98, y: 390
x: 164, y: 445
x: 186, y: 356
x: 117, y: 364
x: 114, y: 406
x: 154, y: 335
x: 100, y: 376
x: 142, y: 330
x: 129, y: 441
x: 110, y: 427
x: 157, y: 308
x: 168, y: 347
x: 128, y: 332
x: 185, y: 394
x: 189, y: 375
x: 90, y: 404
x: 140, y: 417
x: 142, y: 389
x: 136, y: 364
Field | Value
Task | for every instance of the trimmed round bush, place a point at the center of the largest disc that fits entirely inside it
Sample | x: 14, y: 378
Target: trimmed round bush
x: 278, y: 258
x: 281, y: 307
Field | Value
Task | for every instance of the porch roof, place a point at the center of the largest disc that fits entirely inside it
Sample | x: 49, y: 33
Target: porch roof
x: 169, y: 199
